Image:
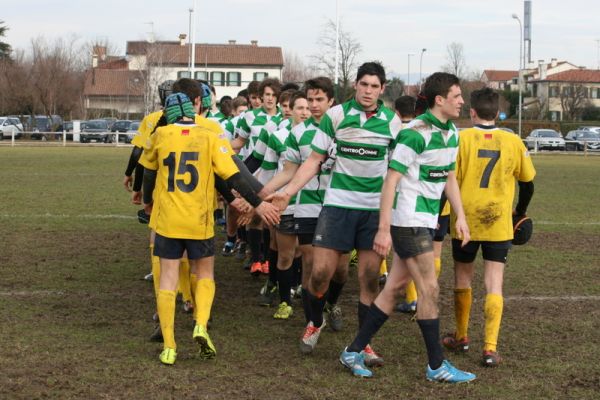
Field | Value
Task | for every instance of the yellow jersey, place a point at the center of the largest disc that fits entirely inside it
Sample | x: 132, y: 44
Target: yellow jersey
x: 146, y: 127
x: 489, y: 163
x: 186, y: 157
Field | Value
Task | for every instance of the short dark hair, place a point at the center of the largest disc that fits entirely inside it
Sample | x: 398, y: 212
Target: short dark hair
x: 239, y: 101
x: 226, y: 106
x: 420, y: 104
x: 438, y: 84
x: 320, y: 83
x: 371, y: 68
x: 405, y: 105
x: 253, y: 88
x: 188, y: 86
x: 486, y: 103
x: 272, y: 83
x: 290, y: 85
x: 243, y: 93
x: 286, y: 95
x: 298, y: 94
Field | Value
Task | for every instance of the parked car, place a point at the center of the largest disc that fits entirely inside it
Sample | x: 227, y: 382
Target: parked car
x: 10, y: 126
x: 121, y: 125
x: 132, y: 131
x: 545, y: 139
x: 95, y: 130
x: 579, y: 139
x: 590, y: 128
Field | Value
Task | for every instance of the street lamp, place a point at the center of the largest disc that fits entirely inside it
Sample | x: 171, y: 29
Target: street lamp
x: 515, y: 16
x: 408, y: 74
x: 423, y: 50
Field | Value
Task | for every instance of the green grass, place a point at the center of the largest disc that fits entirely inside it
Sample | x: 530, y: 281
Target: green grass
x: 75, y: 314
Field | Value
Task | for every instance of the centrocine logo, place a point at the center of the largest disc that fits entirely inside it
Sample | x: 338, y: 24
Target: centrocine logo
x: 438, y: 174
x: 359, y: 151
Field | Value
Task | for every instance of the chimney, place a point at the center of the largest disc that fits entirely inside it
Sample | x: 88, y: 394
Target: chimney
x: 231, y: 41
x: 553, y: 62
x: 100, y: 52
x: 94, y: 60
x: 182, y: 37
x: 254, y: 42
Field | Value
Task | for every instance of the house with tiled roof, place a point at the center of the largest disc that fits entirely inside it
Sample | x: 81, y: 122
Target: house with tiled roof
x: 562, y: 95
x: 229, y: 67
x: 500, y: 79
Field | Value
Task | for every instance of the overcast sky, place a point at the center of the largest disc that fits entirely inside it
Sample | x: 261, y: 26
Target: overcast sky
x: 387, y: 29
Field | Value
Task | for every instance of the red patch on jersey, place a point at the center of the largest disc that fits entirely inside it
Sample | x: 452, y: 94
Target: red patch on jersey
x: 185, y: 132
x: 487, y: 136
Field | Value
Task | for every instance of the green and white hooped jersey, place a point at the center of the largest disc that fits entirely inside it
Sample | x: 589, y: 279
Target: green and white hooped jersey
x: 261, y: 144
x: 274, y: 160
x: 309, y: 199
x: 362, y: 145
x: 250, y: 124
x: 425, y: 152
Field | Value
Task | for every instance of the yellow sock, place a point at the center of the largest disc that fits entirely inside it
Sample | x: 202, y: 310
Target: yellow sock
x: 193, y: 285
x: 155, y: 261
x: 383, y: 268
x: 411, y: 292
x: 184, y: 280
x: 494, y: 304
x: 205, y: 293
x: 462, y: 311
x: 166, y: 313
x: 437, y: 262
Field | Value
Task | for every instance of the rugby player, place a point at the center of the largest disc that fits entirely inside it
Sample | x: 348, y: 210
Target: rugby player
x: 490, y: 162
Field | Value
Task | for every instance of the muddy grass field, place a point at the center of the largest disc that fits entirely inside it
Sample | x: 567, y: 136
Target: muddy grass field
x: 75, y: 314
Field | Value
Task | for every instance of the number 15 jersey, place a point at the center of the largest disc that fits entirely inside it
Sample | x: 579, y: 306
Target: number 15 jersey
x: 186, y: 157
x: 489, y: 163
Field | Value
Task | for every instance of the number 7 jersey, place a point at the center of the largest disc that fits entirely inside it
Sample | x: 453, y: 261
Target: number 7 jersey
x: 489, y: 163
x: 186, y: 157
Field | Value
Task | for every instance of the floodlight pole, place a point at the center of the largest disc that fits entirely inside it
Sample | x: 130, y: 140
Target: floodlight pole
x: 193, y: 38
x: 423, y: 50
x: 408, y: 75
x: 515, y: 16
x: 337, y: 42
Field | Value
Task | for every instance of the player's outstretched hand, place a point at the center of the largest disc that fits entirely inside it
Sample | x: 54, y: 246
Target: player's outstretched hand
x: 268, y: 212
x: 241, y: 205
x: 136, y: 197
x: 279, y: 200
x: 383, y: 242
x: 245, y: 219
x: 462, y: 230
x: 128, y: 182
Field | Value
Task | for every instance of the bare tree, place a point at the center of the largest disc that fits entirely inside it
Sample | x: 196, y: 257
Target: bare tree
x: 294, y: 69
x: 5, y: 48
x: 455, y: 60
x: 350, y: 48
x: 573, y: 100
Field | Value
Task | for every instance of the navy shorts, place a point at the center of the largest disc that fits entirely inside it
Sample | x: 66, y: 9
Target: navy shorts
x: 173, y: 249
x: 305, y: 229
x: 411, y: 242
x: 442, y: 230
x: 343, y: 229
x: 491, y: 251
x: 286, y: 225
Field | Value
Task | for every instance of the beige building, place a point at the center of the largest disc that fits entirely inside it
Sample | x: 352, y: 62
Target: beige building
x: 129, y: 84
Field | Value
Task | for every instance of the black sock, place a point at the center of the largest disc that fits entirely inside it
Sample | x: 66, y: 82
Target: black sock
x: 231, y: 239
x: 242, y: 234
x: 335, y: 289
x: 254, y: 236
x: 363, y: 309
x: 316, y: 308
x: 273, y: 272
x: 297, y: 268
x: 374, y: 320
x: 284, y: 277
x: 266, y: 248
x: 430, y: 329
x: 306, y: 305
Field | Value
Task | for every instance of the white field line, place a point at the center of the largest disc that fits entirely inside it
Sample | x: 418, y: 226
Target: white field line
x: 80, y: 216
x: 566, y: 223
